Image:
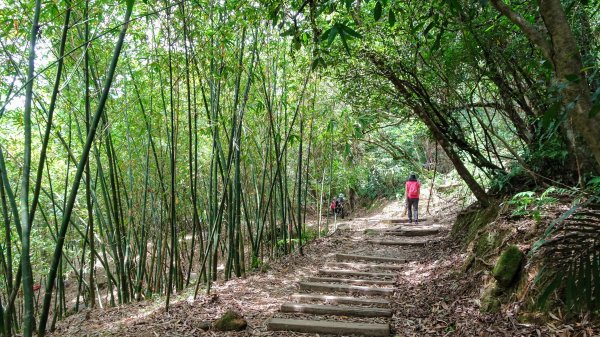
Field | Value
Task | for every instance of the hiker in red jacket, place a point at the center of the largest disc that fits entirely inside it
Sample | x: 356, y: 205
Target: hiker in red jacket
x: 413, y: 188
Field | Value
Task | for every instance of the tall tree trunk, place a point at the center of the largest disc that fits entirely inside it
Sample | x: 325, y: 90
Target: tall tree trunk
x: 559, y: 46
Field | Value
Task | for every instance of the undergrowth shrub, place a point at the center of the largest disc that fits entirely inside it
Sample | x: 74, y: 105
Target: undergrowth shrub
x: 528, y: 203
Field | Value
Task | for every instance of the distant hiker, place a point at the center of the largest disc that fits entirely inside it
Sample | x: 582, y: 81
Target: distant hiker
x: 413, y: 188
x: 341, y: 199
x: 337, y: 205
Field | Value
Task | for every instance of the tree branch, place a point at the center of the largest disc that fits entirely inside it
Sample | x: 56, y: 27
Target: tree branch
x: 533, y: 34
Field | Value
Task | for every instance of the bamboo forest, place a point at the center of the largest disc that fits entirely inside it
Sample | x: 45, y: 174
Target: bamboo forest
x: 299, y: 168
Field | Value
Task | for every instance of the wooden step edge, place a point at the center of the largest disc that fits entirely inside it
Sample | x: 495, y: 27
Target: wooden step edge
x: 317, y: 286
x: 364, y: 266
x: 349, y: 281
x: 399, y: 243
x: 329, y: 327
x: 323, y: 309
x: 411, y: 233
x: 344, y: 257
x: 402, y: 221
x: 349, y: 272
x: 333, y: 299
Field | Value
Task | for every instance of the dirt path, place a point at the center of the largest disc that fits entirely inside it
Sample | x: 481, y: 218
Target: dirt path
x: 428, y: 297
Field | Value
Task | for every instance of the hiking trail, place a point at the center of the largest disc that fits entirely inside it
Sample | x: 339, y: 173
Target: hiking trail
x: 374, y: 276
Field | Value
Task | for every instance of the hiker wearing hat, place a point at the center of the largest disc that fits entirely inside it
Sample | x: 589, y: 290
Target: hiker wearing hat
x: 413, y: 187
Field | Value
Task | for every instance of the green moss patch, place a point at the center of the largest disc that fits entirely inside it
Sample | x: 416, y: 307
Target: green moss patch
x: 370, y: 232
x: 489, y: 301
x: 508, y: 266
x: 486, y: 242
x: 471, y: 220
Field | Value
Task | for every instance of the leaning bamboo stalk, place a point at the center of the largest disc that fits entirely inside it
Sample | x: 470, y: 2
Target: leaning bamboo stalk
x: 79, y: 173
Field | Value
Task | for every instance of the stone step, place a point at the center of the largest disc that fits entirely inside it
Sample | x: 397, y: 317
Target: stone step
x: 345, y: 257
x: 320, y: 309
x: 413, y: 232
x: 347, y: 272
x: 399, y: 242
x: 344, y: 288
x: 332, y: 299
x: 329, y: 327
x: 402, y: 221
x: 351, y: 281
x: 364, y: 266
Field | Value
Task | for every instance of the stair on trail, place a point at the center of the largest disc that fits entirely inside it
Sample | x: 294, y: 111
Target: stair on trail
x: 346, y: 272
x: 356, y: 257
x: 364, y: 266
x: 347, y: 289
x: 329, y: 327
x: 333, y: 299
x: 354, y: 287
x: 397, y: 242
x: 412, y: 232
x: 350, y: 281
x: 403, y: 221
x: 324, y: 309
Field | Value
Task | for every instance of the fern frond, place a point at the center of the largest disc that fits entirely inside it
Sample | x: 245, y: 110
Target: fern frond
x: 570, y: 252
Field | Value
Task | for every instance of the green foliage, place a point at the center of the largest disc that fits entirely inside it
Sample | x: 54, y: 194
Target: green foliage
x: 516, y: 179
x: 342, y: 30
x: 377, y: 11
x: 594, y: 185
x: 258, y: 264
x: 527, y: 203
x: 309, y: 234
x: 570, y: 253
x: 361, y: 134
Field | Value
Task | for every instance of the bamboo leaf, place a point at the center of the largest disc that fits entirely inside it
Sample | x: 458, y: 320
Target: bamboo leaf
x: 317, y: 62
x: 377, y: 11
x: 391, y: 18
x: 333, y: 32
x: 345, y: 43
x: 350, y: 32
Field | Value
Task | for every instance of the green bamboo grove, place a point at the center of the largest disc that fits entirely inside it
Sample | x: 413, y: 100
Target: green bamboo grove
x: 147, y: 147
x: 165, y: 148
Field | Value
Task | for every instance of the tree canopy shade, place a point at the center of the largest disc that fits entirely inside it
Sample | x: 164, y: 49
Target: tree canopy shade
x: 152, y: 145
x: 458, y: 65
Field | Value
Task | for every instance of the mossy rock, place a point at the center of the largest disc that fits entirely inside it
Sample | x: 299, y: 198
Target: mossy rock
x: 486, y: 242
x: 471, y: 220
x: 490, y: 303
x: 508, y: 266
x: 231, y: 321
